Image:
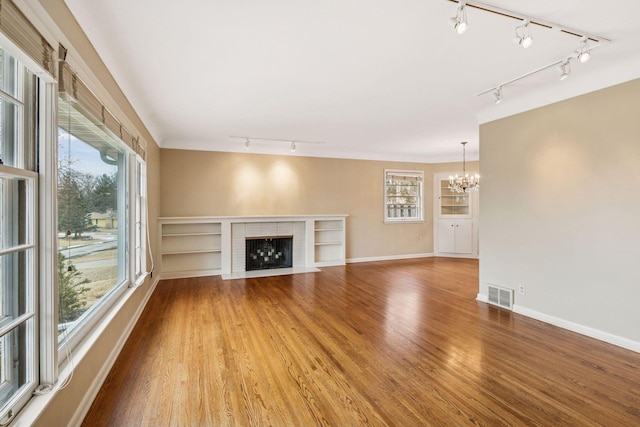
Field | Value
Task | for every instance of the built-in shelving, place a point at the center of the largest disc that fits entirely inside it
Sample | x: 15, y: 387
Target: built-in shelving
x: 453, y: 204
x: 202, y: 246
x: 190, y: 248
x: 329, y: 241
x: 455, y: 220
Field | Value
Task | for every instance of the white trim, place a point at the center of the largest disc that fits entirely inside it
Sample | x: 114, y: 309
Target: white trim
x: 482, y: 298
x: 571, y: 326
x: 389, y: 258
x: 188, y: 274
x: 268, y: 273
x: 48, y: 227
x: 32, y: 411
x: 580, y: 329
x: 449, y: 255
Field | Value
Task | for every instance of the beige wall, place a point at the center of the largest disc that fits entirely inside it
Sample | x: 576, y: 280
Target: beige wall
x: 212, y: 183
x: 559, y: 211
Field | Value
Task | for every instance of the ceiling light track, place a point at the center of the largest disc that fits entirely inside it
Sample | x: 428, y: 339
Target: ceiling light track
x: 563, y: 64
x: 531, y: 20
x: 293, y: 143
x: 523, y: 37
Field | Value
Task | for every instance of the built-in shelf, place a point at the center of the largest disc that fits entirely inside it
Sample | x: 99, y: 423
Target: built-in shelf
x: 190, y: 247
x: 329, y: 241
x: 199, y: 246
x: 455, y: 223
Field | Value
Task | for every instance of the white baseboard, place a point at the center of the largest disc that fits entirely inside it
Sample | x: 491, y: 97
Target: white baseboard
x: 269, y: 273
x: 580, y: 329
x: 188, y: 274
x: 448, y: 255
x: 101, y: 376
x: 389, y: 258
x: 571, y: 326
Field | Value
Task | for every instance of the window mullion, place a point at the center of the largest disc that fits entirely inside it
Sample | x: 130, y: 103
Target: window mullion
x: 15, y: 249
x: 48, y: 220
x: 13, y: 324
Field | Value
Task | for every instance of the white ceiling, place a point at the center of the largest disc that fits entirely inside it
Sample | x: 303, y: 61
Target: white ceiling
x: 371, y: 79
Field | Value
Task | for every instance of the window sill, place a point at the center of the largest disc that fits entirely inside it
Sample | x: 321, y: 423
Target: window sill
x: 404, y: 221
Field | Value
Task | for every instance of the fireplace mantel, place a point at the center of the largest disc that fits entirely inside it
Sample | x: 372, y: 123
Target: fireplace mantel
x: 214, y: 245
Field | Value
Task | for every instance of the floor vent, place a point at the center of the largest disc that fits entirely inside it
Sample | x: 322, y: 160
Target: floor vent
x: 501, y: 296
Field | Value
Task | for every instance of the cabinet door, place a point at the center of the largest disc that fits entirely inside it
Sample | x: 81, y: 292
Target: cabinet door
x: 453, y: 204
x: 463, y: 237
x: 446, y: 236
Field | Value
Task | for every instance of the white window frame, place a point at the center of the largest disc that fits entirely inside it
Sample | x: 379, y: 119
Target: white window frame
x: 396, y: 215
x: 125, y: 236
x: 29, y: 317
x: 30, y: 246
x: 138, y: 220
x: 131, y: 261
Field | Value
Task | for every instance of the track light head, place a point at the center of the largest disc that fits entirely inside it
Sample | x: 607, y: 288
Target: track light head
x: 460, y: 21
x: 584, y: 56
x: 584, y: 52
x: 523, y: 35
x: 565, y: 69
x: 497, y: 95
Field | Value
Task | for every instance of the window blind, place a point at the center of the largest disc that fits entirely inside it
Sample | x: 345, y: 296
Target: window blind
x: 17, y: 28
x: 76, y: 91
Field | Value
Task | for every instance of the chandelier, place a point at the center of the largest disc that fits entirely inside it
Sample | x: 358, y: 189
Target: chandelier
x: 464, y: 183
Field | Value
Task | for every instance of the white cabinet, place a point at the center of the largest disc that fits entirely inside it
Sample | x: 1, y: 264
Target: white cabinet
x: 455, y: 236
x: 455, y: 220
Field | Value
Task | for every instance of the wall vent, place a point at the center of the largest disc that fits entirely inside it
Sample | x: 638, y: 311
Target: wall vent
x: 502, y: 297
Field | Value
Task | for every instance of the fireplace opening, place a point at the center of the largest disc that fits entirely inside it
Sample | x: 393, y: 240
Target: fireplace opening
x: 264, y: 253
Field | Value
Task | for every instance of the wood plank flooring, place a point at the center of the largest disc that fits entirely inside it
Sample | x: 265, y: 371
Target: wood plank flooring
x: 400, y: 343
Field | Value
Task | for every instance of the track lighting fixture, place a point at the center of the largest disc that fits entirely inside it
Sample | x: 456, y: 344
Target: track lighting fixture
x: 292, y: 143
x: 523, y: 38
x: 460, y: 21
x: 523, y: 35
x: 584, y: 52
x: 497, y: 95
x: 565, y: 69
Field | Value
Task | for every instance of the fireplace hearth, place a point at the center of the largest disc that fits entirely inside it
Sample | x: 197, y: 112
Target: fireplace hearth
x: 264, y: 253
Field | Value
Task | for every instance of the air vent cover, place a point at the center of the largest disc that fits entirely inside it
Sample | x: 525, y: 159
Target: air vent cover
x: 500, y: 296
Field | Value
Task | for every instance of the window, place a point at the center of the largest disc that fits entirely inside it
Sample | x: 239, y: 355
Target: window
x: 403, y: 195
x: 93, y: 241
x: 18, y: 249
x: 82, y: 256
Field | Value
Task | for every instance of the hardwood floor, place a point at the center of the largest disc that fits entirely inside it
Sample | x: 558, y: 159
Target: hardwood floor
x: 389, y: 343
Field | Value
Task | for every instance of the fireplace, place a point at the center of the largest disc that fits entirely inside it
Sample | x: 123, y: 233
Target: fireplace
x: 264, y: 253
